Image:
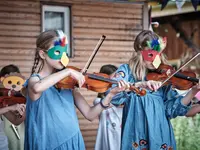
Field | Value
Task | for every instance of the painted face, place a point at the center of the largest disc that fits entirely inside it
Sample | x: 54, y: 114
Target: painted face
x: 13, y: 82
x: 152, y: 56
x: 59, y: 50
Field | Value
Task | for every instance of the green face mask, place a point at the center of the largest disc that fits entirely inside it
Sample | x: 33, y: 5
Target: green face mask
x: 59, y: 53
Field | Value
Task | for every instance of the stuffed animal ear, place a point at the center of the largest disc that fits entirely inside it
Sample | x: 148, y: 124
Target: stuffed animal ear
x: 2, y: 78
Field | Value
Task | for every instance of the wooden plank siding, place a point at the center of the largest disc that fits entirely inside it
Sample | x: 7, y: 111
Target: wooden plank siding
x: 175, y: 45
x: 20, y: 23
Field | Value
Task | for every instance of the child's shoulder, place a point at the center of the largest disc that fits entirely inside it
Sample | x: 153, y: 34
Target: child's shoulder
x: 32, y: 80
x: 124, y: 72
x: 124, y: 67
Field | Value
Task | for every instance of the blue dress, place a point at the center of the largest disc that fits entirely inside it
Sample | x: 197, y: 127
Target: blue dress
x: 52, y: 123
x: 146, y: 119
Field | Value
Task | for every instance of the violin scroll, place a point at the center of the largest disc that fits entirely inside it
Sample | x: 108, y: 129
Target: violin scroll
x: 140, y: 92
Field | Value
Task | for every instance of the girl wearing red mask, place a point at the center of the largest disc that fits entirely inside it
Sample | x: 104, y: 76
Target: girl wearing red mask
x: 146, y: 119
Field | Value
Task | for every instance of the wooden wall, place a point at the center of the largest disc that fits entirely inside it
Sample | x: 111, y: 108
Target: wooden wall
x: 177, y: 51
x: 175, y: 45
x: 20, y: 23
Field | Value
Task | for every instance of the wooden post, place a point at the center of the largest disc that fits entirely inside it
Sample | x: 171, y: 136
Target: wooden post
x: 145, y: 16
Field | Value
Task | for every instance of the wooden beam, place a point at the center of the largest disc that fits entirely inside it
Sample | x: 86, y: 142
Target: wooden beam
x: 145, y: 16
x: 171, y: 9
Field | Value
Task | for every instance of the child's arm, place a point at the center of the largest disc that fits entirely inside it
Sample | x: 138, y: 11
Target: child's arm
x: 191, y: 94
x: 15, y: 113
x: 91, y: 113
x: 193, y: 111
x: 37, y: 86
x: 179, y: 106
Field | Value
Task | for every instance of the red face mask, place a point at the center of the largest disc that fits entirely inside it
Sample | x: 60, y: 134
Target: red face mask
x: 149, y: 55
x: 156, y: 47
x: 152, y: 56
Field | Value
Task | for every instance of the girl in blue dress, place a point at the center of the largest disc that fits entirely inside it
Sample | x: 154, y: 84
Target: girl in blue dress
x: 51, y: 122
x: 146, y: 119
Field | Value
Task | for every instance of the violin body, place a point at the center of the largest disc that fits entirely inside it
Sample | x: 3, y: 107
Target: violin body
x: 11, y: 100
x: 93, y: 82
x: 182, y: 80
x: 7, y: 99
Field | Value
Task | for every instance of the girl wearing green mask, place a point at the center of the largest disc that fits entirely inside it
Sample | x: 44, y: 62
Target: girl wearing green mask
x: 52, y: 121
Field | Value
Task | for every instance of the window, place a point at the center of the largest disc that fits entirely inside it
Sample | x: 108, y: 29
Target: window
x: 57, y: 18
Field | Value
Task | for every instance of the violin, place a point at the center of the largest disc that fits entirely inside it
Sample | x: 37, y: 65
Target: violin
x: 10, y: 97
x: 182, y: 80
x: 97, y: 82
x: 11, y: 100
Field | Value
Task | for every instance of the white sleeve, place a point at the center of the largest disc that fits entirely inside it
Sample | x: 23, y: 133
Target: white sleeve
x: 96, y: 101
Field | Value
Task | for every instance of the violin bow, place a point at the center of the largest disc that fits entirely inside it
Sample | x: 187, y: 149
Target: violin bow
x: 180, y: 68
x: 84, y: 70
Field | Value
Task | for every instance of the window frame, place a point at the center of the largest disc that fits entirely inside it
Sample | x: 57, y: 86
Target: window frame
x: 66, y: 10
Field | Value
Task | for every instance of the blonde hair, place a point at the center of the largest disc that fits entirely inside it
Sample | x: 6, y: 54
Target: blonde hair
x: 136, y: 62
x: 43, y: 42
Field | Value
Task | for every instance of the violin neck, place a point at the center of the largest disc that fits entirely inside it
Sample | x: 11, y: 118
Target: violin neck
x: 182, y: 76
x: 92, y: 76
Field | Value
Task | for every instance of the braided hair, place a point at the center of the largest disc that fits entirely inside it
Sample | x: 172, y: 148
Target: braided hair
x: 43, y: 42
x: 36, y: 61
